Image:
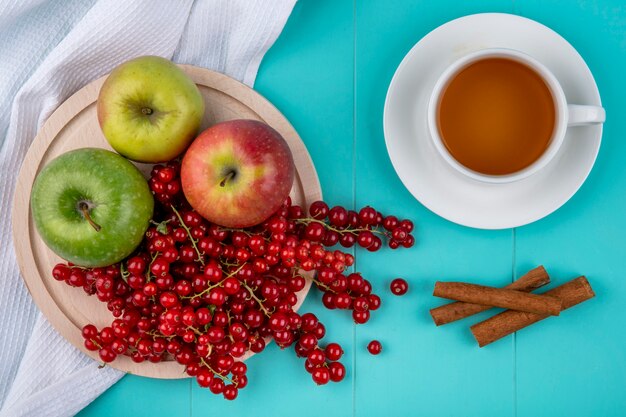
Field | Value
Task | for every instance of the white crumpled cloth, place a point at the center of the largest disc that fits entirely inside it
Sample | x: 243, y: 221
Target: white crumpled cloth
x: 48, y: 50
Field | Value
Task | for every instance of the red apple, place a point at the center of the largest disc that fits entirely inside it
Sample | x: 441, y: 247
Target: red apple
x: 237, y: 173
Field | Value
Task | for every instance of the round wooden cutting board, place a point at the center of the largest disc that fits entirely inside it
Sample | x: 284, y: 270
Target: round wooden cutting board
x: 75, y: 125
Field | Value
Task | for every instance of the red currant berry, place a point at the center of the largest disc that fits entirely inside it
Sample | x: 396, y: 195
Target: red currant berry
x: 257, y: 245
x: 296, y: 283
x: 107, y: 335
x: 399, y: 234
x: 170, y: 254
x: 215, y: 334
x: 278, y: 321
x: 92, y: 344
x: 361, y: 317
x: 343, y: 300
x: 399, y: 286
x: 316, y: 357
x: 318, y: 210
x: 150, y: 289
x: 361, y: 304
x: 213, y: 272
x: 321, y: 376
x: 119, y: 346
x: 257, y: 345
x: 328, y: 299
x: 231, y: 285
x: 158, y: 346
x: 238, y: 349
x: 76, y: 278
x: 347, y: 240
x: 409, y: 241
x: 217, y: 386
x: 296, y: 212
x: 90, y: 331
x: 319, y: 331
x: 120, y: 328
x: 217, y: 296
x: 331, y: 238
x: 61, y: 272
x: 204, y: 377
x: 365, y: 239
x: 407, y: 225
x: 338, y: 216
x: 355, y: 283
x: 333, y: 351
x: 373, y: 302
x: 224, y: 362
x: 337, y: 371
x: 159, y: 266
x: 166, y: 174
x: 220, y: 319
x: 156, y: 186
x: 314, y: 232
x: 168, y: 299
x: 353, y: 219
x: 376, y: 244
x: 203, y: 316
x: 136, y: 281
x: 230, y: 392
x: 367, y: 216
x: 307, y: 341
x: 107, y: 354
x: 309, y: 322
x: 374, y: 347
x: 390, y: 223
x: 366, y: 289
x: 239, y: 368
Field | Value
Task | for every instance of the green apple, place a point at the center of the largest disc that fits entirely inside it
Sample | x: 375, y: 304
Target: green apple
x: 91, y: 206
x: 149, y: 109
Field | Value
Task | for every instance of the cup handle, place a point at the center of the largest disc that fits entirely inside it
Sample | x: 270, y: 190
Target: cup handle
x: 580, y: 115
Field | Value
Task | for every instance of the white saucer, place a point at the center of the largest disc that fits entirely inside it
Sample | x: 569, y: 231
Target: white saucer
x: 449, y: 193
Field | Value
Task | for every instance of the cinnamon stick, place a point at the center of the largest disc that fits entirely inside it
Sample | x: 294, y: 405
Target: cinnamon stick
x: 571, y: 293
x: 498, y: 297
x: 458, y: 310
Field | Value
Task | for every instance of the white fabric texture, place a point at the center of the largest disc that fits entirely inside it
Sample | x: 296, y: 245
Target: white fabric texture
x: 48, y: 50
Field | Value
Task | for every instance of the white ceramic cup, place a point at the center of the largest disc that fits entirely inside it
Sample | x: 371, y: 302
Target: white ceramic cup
x: 566, y: 114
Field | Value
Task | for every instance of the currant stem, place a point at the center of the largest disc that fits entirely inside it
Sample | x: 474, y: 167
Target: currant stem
x: 341, y: 231
x: 96, y: 343
x: 157, y: 334
x: 210, y: 287
x: 206, y: 290
x: 259, y: 302
x: 222, y: 377
x: 196, y: 331
x: 84, y: 209
x: 326, y: 287
x: 124, y: 273
x: 148, y: 276
x: 193, y: 241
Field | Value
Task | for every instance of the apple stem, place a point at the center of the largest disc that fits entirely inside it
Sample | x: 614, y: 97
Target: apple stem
x: 146, y: 110
x: 84, y: 208
x: 228, y: 177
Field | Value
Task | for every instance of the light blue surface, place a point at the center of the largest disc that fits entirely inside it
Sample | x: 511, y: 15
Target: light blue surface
x: 328, y: 73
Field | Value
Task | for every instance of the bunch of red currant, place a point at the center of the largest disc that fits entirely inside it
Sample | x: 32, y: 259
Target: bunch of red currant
x: 208, y: 296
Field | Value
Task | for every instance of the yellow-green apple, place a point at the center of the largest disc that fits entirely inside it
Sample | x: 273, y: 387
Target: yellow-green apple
x: 149, y: 109
x: 237, y: 173
x: 91, y: 206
